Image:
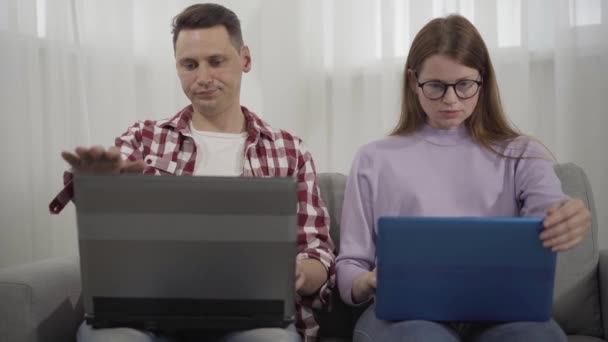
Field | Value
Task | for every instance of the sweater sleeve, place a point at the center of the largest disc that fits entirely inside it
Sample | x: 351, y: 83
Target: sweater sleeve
x: 357, y: 234
x: 537, y: 185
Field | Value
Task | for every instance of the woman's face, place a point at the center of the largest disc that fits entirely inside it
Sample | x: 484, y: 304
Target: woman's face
x: 449, y: 93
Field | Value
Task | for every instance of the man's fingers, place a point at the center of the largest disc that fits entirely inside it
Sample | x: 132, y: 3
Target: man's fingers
x: 71, y: 159
x: 85, y: 155
x: 133, y: 166
x: 96, y: 152
x: 109, y: 161
x: 99, y: 160
x: 113, y: 154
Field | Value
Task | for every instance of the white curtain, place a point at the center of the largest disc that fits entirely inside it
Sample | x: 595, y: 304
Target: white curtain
x: 78, y: 72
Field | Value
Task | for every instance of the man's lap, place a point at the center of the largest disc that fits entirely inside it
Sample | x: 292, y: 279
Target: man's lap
x: 87, y: 334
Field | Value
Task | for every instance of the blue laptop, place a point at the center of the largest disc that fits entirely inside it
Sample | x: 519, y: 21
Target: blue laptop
x: 463, y: 269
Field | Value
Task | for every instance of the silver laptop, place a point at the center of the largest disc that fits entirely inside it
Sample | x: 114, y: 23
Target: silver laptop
x: 171, y: 253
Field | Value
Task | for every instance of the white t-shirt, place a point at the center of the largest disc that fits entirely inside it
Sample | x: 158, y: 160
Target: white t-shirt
x: 218, y: 154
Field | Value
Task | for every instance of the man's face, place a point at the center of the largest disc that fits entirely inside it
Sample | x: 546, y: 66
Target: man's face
x: 210, y: 67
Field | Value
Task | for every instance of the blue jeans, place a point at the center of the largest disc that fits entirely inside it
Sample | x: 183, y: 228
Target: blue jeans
x: 88, y: 334
x: 371, y: 329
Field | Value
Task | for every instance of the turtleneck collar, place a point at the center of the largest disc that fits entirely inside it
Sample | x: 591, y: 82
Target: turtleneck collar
x: 445, y: 137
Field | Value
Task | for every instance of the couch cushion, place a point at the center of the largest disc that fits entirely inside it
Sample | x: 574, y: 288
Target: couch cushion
x: 40, y: 301
x: 576, y: 303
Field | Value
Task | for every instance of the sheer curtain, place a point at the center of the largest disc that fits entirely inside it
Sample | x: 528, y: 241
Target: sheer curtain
x: 78, y: 72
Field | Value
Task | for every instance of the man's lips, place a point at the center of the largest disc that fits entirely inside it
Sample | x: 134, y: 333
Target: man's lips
x: 205, y: 93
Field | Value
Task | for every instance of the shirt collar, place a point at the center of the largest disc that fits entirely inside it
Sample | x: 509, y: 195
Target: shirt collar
x: 180, y: 122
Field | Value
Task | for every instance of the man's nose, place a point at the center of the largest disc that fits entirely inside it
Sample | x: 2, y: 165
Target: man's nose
x: 204, y: 75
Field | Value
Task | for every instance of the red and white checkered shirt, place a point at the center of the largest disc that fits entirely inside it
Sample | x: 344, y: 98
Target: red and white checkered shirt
x: 167, y: 148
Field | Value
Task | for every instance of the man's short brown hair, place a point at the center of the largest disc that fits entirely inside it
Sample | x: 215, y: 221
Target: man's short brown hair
x: 207, y: 16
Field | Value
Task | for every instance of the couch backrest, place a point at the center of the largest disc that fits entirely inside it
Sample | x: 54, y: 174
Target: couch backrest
x: 332, y: 191
x: 576, y: 296
x: 576, y: 300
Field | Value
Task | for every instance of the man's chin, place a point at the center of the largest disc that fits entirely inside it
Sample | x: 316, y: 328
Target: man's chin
x: 206, y: 108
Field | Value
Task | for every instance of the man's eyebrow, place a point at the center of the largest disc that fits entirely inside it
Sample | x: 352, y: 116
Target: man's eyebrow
x: 186, y: 59
x: 217, y: 55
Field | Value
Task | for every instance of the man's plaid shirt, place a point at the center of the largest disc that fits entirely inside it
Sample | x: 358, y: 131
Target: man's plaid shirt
x: 167, y: 148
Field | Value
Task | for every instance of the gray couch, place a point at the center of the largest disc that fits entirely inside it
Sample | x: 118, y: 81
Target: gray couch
x: 41, y: 301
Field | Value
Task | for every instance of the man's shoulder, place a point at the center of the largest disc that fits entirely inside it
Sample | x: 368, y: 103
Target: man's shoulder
x: 180, y: 119
x: 273, y: 134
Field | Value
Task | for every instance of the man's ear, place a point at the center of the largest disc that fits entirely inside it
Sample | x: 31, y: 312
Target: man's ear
x: 412, y: 80
x: 245, y: 58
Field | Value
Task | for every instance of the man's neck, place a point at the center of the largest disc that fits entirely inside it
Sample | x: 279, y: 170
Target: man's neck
x: 230, y: 121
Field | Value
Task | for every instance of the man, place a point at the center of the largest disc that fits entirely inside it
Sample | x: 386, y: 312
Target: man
x: 215, y: 135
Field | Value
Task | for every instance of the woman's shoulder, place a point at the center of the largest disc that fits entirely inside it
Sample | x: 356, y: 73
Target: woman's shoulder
x: 525, y: 146
x: 389, y: 145
x: 379, y: 154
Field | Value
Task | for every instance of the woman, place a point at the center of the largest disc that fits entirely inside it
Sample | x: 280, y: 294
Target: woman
x: 453, y: 153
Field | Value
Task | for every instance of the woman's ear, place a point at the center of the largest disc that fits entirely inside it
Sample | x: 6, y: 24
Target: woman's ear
x: 412, y: 80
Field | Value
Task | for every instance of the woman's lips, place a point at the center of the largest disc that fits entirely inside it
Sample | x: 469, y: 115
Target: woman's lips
x: 450, y: 113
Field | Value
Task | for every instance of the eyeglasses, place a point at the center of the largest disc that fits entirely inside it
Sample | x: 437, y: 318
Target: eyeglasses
x: 435, y: 90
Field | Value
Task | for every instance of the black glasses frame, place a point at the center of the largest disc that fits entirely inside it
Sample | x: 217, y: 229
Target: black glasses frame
x: 446, y: 86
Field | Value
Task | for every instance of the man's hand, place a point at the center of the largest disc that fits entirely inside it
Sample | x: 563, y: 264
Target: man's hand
x: 300, y: 276
x: 96, y: 159
x: 310, y: 276
x: 364, y: 286
x: 566, y: 223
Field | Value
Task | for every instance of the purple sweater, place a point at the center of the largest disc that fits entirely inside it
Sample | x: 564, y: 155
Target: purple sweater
x: 437, y: 172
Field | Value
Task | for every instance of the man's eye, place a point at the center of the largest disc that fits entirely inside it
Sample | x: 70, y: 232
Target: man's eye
x: 216, y: 62
x: 189, y: 65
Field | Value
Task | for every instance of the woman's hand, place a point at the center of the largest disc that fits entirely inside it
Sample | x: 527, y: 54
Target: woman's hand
x: 566, y: 223
x: 364, y: 286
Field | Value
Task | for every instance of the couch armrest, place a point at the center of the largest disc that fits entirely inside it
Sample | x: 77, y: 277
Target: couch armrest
x: 603, y: 283
x: 40, y: 301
